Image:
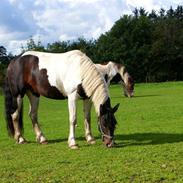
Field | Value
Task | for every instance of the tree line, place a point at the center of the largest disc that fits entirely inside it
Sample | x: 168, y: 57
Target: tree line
x: 149, y: 44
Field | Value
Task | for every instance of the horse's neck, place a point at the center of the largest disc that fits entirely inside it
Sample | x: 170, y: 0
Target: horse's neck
x: 111, y: 70
x: 100, y: 95
x: 123, y: 73
x: 95, y: 86
x: 102, y: 68
x: 118, y: 69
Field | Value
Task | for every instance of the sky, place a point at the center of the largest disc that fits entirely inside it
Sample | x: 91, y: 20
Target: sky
x: 62, y: 20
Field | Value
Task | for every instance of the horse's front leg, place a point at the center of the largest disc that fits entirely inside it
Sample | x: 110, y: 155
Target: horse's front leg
x: 72, y: 119
x: 87, y: 122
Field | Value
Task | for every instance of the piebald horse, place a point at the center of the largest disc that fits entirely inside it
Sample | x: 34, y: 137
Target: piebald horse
x: 118, y: 73
x: 69, y: 75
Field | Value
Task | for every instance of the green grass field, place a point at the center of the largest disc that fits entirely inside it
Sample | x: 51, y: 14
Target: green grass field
x: 149, y: 139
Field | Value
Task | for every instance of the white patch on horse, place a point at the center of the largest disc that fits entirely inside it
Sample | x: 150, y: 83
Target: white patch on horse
x: 61, y: 73
x: 69, y: 65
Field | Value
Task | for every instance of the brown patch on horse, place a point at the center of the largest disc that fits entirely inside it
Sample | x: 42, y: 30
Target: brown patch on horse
x: 81, y: 92
x: 118, y: 65
x: 15, y: 78
x: 28, y: 76
x: 37, y: 79
x: 131, y: 83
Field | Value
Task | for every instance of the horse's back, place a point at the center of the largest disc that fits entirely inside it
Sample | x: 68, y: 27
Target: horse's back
x: 48, y: 74
x: 56, y: 58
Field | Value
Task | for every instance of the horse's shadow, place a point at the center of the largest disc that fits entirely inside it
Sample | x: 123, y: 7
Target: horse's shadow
x: 59, y: 140
x: 141, y: 139
x: 136, y: 139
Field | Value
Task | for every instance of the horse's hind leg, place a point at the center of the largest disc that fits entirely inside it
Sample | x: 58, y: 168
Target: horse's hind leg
x: 17, y: 121
x: 87, y: 115
x: 34, y: 103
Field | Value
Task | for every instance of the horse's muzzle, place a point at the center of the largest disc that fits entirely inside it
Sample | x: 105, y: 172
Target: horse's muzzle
x: 129, y: 94
x: 111, y: 144
x: 108, y: 142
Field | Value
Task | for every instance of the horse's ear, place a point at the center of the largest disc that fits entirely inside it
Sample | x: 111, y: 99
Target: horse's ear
x: 115, y: 108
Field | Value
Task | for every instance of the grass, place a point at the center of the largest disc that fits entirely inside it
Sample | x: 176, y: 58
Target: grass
x: 149, y: 139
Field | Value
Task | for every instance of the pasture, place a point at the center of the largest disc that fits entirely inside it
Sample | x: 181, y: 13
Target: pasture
x: 149, y: 139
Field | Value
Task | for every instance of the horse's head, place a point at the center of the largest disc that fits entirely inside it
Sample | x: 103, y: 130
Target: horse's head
x: 107, y: 123
x: 128, y: 86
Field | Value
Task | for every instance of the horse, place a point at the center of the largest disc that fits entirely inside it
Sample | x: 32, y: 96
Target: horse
x: 117, y: 72
x: 71, y: 75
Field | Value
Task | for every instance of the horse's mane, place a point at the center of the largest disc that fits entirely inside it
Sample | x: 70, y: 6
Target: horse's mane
x: 93, y: 82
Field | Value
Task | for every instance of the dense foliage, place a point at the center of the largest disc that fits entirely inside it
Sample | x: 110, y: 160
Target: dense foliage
x: 149, y: 44
x: 4, y: 61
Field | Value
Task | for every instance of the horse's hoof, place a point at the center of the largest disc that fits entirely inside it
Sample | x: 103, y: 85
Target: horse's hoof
x: 21, y: 140
x: 91, y: 141
x: 41, y: 140
x: 74, y: 146
x: 44, y: 142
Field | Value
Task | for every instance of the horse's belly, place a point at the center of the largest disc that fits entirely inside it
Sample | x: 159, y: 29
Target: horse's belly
x: 53, y: 93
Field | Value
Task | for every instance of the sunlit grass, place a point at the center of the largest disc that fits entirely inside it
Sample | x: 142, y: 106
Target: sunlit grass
x: 149, y: 139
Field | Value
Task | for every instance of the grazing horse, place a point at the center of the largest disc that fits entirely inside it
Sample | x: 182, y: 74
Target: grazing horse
x: 118, y: 73
x: 69, y: 75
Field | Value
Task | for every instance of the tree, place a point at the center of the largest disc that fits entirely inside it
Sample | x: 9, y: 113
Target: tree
x: 2, y: 51
x: 57, y: 47
x: 32, y: 45
x: 4, y: 61
x: 86, y: 46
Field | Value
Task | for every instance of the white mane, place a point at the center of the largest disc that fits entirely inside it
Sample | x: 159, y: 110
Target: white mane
x: 93, y: 83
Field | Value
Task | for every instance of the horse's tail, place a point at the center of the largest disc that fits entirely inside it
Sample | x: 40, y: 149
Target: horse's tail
x: 11, y: 106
